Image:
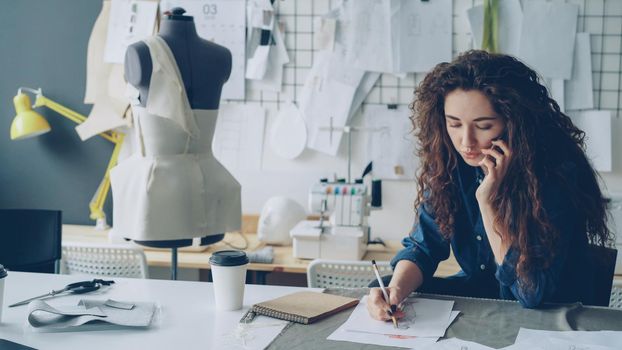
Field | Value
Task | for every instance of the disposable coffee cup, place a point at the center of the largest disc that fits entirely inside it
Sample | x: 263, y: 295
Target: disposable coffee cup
x: 229, y: 274
x: 3, y: 275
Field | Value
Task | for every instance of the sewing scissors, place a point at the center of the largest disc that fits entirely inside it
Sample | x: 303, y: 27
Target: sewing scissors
x: 76, y: 288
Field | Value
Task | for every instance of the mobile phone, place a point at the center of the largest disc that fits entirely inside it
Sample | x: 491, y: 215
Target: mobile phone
x: 503, y: 136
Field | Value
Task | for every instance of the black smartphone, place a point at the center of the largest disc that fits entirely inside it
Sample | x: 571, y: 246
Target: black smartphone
x: 504, y: 137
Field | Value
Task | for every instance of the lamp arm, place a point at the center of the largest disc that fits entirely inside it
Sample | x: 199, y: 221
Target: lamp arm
x: 99, y: 198
x: 67, y: 113
x: 96, y: 205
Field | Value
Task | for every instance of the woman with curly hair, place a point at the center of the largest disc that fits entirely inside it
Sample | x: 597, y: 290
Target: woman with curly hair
x: 504, y: 181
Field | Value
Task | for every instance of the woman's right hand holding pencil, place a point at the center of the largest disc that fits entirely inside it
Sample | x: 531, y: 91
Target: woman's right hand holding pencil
x: 378, y: 307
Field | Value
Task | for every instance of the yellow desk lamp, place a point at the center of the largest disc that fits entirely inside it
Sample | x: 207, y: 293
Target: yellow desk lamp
x: 28, y: 123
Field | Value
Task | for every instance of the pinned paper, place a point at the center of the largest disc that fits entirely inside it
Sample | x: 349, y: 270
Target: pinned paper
x: 238, y: 138
x: 288, y: 136
x: 578, y: 90
x: 273, y: 76
x: 105, y: 84
x: 325, y: 37
x: 597, y: 128
x: 391, y: 147
x: 130, y: 21
x: 548, y: 37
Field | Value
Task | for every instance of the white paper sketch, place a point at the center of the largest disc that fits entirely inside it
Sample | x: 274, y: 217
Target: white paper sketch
x: 457, y: 344
x: 510, y: 23
x: 256, y: 335
x: 392, y: 148
x: 578, y: 90
x: 597, y: 128
x: 403, y: 341
x: 238, y: 139
x: 222, y: 22
x: 273, y: 76
x: 431, y: 319
x: 324, y: 38
x: 327, y: 97
x: 288, y: 135
x: 548, y: 37
x: 130, y: 21
x: 553, y: 340
x: 423, y: 34
x: 371, y: 35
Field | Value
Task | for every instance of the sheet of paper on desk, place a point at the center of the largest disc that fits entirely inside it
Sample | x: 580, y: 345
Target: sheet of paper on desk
x: 563, y: 340
x: 424, y: 318
x: 412, y: 342
x: 222, y: 22
x: 129, y: 22
x: 510, y: 21
x: 456, y: 344
x: 256, y: 335
x: 238, y: 139
x: 548, y: 37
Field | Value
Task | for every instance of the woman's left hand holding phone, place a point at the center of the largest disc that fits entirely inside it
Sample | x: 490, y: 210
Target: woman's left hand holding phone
x: 495, y: 164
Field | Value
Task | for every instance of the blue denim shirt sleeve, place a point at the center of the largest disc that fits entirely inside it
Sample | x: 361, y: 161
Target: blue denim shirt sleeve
x: 425, y: 246
x: 561, y: 213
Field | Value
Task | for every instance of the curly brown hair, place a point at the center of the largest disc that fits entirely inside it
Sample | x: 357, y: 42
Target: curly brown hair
x: 543, y: 135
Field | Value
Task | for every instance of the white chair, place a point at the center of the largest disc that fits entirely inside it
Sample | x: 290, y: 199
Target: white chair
x: 343, y: 273
x: 616, y: 294
x: 114, y: 260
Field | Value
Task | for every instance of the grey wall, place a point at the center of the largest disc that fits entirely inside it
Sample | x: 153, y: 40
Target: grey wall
x: 43, y: 44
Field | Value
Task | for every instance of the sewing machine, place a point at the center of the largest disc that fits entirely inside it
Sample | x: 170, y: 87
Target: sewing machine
x: 345, y: 234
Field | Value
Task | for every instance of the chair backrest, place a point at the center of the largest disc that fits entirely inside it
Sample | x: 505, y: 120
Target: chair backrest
x: 604, y: 260
x: 31, y: 239
x: 616, y: 295
x: 113, y: 260
x: 343, y: 273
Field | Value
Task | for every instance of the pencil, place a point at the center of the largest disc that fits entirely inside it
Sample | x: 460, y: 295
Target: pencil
x: 384, y: 293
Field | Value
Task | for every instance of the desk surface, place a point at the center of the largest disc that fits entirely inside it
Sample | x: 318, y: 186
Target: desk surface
x: 283, y: 259
x: 187, y: 320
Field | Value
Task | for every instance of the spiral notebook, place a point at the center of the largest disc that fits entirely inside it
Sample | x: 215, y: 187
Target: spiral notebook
x: 301, y: 307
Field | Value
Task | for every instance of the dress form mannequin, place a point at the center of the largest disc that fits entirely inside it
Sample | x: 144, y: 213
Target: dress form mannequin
x: 175, y: 162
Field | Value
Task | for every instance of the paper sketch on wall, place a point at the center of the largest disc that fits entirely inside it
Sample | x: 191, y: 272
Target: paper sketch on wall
x: 238, y: 139
x: 401, y: 36
x: 130, y: 21
x: 578, y: 90
x: 288, y: 135
x: 392, y: 148
x: 597, y: 127
x: 548, y: 37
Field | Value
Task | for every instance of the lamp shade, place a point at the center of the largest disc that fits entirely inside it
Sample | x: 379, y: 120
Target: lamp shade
x: 27, y: 123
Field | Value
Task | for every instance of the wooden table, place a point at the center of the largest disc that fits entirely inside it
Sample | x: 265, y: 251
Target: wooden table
x: 283, y: 258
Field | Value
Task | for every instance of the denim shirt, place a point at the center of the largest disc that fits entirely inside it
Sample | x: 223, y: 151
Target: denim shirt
x: 567, y: 279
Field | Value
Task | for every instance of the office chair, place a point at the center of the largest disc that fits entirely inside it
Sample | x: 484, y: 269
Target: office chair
x: 343, y: 273
x: 111, y: 260
x: 31, y: 240
x: 604, y: 260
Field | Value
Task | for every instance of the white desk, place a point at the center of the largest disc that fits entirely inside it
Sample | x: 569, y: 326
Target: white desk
x: 188, y: 319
